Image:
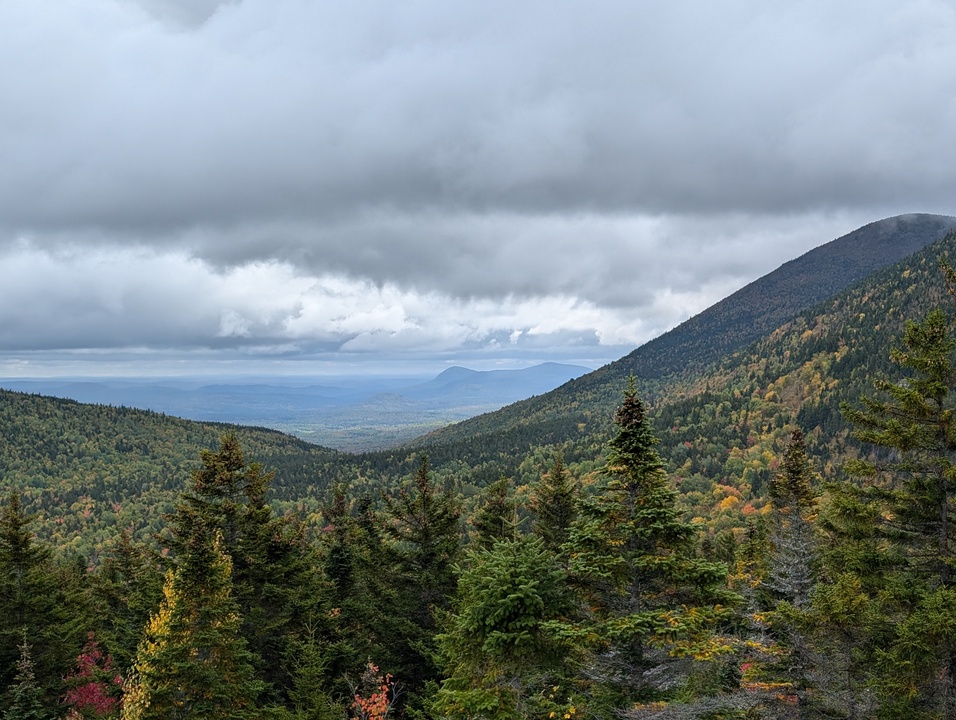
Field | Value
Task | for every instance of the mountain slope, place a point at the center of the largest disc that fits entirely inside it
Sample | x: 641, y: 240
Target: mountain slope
x: 88, y: 470
x: 572, y: 413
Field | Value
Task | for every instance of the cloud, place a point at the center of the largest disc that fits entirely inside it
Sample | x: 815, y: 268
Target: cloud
x: 369, y: 176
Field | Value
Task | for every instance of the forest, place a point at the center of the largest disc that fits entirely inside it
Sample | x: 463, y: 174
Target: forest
x: 584, y: 597
x: 774, y: 540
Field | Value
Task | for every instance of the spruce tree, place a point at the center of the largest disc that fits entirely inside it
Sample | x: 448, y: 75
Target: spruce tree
x: 647, y: 598
x: 501, y: 658
x: 424, y: 528
x: 33, y: 604
x: 24, y: 700
x: 554, y: 503
x: 915, y: 477
x: 497, y: 514
x: 792, y: 536
x: 127, y: 588
x: 273, y: 568
x: 193, y: 661
x: 892, y: 527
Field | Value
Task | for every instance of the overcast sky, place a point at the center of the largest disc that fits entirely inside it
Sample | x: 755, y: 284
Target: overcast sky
x: 294, y: 186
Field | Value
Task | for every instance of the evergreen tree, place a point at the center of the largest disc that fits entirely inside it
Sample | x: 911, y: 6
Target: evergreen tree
x: 193, y: 661
x: 424, y: 527
x: 24, y: 700
x: 647, y: 598
x: 792, y: 538
x: 553, y: 502
x: 127, y: 588
x: 501, y: 659
x: 790, y: 572
x: 33, y: 604
x: 497, y: 514
x: 273, y: 568
x: 892, y: 529
x: 364, y: 593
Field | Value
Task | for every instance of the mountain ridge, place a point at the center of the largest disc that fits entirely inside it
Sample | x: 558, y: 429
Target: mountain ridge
x: 727, y: 326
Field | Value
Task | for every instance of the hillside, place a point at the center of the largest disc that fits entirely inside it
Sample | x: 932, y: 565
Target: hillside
x: 578, y: 413
x: 88, y: 470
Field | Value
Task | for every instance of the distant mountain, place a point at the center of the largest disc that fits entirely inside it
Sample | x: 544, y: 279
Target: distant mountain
x: 352, y: 414
x: 722, y: 413
x: 577, y: 411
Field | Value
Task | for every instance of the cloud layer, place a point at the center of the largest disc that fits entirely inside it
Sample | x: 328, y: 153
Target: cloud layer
x: 300, y: 177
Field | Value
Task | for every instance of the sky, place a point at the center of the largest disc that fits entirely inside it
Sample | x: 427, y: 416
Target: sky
x: 302, y: 187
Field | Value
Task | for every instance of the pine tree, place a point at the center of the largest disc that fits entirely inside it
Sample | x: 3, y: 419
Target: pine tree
x: 554, y: 503
x: 193, y: 661
x: 648, y: 598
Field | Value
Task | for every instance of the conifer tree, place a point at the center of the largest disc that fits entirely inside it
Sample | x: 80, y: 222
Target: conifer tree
x: 892, y: 528
x: 553, y: 502
x: 424, y: 528
x: 33, y: 604
x: 273, y: 568
x: 128, y: 589
x: 501, y: 659
x: 790, y: 571
x: 193, y: 661
x: 364, y: 594
x: 792, y: 538
x: 647, y: 598
x: 24, y: 700
x: 497, y: 514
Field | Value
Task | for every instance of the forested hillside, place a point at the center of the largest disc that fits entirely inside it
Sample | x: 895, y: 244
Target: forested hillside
x: 576, y: 414
x: 87, y: 471
x: 738, y: 548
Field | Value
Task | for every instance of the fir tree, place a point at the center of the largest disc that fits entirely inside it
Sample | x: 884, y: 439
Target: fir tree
x: 273, y: 568
x: 33, y: 604
x: 793, y: 540
x: 193, y: 661
x: 554, y: 502
x: 424, y: 527
x: 128, y: 589
x: 501, y: 658
x: 648, y: 598
x: 892, y: 528
x: 497, y: 514
x: 24, y: 700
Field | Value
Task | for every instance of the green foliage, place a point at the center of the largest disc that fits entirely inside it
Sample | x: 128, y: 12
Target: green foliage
x: 647, y: 598
x: 273, y: 576
x: 24, y: 700
x: 500, y: 658
x: 36, y: 602
x: 894, y: 526
x: 193, y: 661
x: 424, y: 526
x: 554, y: 504
x: 497, y: 515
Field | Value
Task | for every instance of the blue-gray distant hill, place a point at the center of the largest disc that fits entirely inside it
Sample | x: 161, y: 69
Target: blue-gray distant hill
x: 352, y: 414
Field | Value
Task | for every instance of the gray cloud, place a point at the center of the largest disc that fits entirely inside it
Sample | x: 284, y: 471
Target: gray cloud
x: 638, y: 161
